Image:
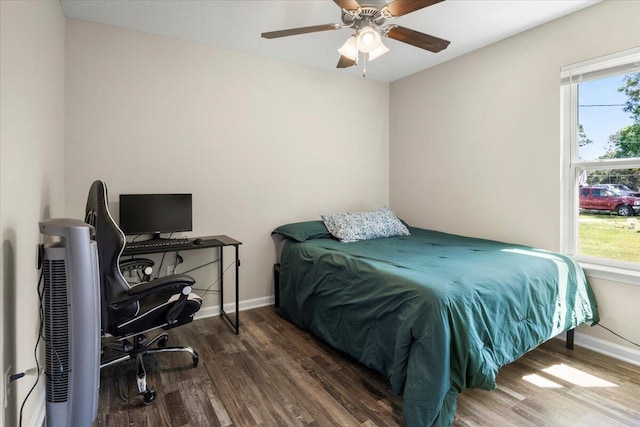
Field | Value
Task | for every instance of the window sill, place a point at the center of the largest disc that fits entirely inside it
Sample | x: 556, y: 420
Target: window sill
x: 616, y: 274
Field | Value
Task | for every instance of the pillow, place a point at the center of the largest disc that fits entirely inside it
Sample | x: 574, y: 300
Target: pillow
x: 354, y: 226
x: 302, y: 231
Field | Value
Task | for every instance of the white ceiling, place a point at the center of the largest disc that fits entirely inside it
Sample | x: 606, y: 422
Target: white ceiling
x: 237, y: 24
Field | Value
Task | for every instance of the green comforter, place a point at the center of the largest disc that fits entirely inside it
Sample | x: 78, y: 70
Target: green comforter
x: 436, y: 313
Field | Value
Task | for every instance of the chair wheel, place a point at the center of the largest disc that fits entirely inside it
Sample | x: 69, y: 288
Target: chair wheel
x: 148, y: 397
x: 162, y: 342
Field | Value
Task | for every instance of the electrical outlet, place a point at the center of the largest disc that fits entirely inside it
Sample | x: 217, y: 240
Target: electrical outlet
x: 7, y: 386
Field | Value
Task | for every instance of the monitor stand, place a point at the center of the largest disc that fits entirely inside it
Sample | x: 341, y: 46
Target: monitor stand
x: 156, y: 236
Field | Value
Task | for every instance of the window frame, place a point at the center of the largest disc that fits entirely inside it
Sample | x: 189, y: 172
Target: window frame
x: 571, y: 76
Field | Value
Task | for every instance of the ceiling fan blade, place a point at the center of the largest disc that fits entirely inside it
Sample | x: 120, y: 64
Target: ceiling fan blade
x: 402, y: 7
x: 345, y: 62
x: 301, y: 30
x: 418, y: 39
x: 347, y: 4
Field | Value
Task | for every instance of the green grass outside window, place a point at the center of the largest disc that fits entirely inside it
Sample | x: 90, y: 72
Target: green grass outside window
x: 609, y: 236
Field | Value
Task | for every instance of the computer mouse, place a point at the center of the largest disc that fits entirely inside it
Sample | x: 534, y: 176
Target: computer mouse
x: 198, y: 242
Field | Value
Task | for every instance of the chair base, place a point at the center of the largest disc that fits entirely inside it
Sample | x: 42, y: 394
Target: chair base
x: 137, y: 351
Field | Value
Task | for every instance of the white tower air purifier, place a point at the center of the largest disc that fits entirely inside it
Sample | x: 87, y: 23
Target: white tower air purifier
x: 71, y: 301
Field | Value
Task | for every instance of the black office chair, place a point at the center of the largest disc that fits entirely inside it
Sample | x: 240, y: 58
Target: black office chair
x: 129, y: 312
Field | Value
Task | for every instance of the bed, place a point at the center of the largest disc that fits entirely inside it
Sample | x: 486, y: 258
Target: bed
x: 436, y: 313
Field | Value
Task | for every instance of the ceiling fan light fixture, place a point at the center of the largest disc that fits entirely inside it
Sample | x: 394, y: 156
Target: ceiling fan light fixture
x: 349, y: 48
x: 369, y: 23
x: 368, y: 39
x: 379, y: 51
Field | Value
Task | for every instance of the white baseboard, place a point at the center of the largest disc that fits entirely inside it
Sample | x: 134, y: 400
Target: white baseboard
x: 38, y: 418
x: 608, y: 348
x: 231, y: 307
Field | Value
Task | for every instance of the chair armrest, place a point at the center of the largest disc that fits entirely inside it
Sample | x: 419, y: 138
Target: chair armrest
x: 135, y: 264
x: 176, y: 282
x: 143, y: 266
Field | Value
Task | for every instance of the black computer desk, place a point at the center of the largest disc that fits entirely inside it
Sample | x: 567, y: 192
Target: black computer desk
x: 208, y: 242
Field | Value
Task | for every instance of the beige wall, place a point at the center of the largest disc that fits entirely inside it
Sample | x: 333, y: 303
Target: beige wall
x: 258, y: 142
x: 475, y: 142
x: 32, y: 177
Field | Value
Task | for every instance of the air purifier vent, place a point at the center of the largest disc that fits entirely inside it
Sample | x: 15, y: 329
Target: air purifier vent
x: 56, y: 330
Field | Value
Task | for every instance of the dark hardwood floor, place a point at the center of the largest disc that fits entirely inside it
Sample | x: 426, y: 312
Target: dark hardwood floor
x: 274, y: 374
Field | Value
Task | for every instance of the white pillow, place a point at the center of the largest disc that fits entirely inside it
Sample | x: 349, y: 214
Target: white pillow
x: 354, y: 226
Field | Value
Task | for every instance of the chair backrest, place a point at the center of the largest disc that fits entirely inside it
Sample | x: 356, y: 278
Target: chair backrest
x: 110, y: 240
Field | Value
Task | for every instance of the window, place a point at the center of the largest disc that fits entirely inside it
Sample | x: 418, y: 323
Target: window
x: 601, y: 162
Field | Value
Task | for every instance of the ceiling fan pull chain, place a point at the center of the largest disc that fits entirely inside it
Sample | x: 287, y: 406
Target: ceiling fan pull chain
x: 364, y: 65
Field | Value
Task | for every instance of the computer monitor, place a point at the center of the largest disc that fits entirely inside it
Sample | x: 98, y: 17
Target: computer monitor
x: 155, y: 213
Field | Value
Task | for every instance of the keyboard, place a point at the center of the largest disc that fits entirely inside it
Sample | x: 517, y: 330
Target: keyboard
x: 169, y: 244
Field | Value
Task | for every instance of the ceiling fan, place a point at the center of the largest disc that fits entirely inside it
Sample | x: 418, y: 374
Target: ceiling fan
x: 369, y: 21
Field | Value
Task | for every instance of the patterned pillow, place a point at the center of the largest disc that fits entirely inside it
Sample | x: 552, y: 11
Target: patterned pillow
x: 354, y: 226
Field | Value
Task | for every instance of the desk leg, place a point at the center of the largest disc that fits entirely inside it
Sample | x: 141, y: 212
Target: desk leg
x: 235, y: 325
x: 221, y: 278
x: 237, y: 290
